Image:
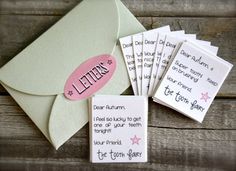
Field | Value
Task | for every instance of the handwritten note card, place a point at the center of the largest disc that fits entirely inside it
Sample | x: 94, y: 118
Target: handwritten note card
x: 150, y: 39
x: 118, y: 129
x: 157, y: 58
x: 138, y: 57
x: 127, y: 50
x: 192, y: 81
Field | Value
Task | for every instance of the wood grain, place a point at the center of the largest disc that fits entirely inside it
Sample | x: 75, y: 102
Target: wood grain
x: 175, y: 142
x: 142, y: 8
x: 18, y: 31
x: 170, y: 147
x: 77, y: 164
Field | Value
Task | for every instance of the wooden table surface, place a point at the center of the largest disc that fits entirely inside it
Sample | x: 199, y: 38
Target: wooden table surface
x: 174, y: 141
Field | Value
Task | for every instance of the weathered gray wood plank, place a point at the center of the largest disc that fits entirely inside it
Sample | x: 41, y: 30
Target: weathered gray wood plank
x: 137, y: 7
x: 170, y: 147
x: 16, y: 32
x: 2, y: 90
x: 175, y: 142
x: 18, y: 164
x: 221, y: 115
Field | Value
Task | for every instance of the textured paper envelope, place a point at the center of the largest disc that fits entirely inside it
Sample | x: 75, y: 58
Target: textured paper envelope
x: 36, y: 77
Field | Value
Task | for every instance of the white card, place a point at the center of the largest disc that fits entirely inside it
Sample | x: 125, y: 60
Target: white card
x: 118, y: 129
x: 191, y: 36
x: 156, y: 62
x: 206, y: 45
x: 149, y: 47
x: 192, y: 81
x: 138, y: 58
x: 170, y: 43
x: 138, y: 54
x: 127, y: 50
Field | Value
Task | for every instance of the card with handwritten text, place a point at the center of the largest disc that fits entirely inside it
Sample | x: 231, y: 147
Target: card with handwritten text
x: 128, y: 54
x: 150, y: 39
x: 157, y: 58
x: 118, y: 129
x: 177, y: 69
x: 192, y: 81
x: 138, y: 58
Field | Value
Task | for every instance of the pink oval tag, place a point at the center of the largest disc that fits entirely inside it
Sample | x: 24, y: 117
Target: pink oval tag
x: 89, y: 77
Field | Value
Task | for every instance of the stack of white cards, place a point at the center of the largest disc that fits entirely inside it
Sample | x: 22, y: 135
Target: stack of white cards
x: 176, y: 69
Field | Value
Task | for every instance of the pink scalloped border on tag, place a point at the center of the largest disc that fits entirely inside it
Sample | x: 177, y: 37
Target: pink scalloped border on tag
x: 89, y: 77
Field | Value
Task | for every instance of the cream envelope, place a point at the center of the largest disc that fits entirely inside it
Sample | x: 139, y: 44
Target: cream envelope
x: 36, y: 77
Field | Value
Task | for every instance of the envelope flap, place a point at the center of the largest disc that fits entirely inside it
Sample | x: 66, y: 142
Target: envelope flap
x: 69, y: 116
x: 43, y: 67
x: 66, y: 118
